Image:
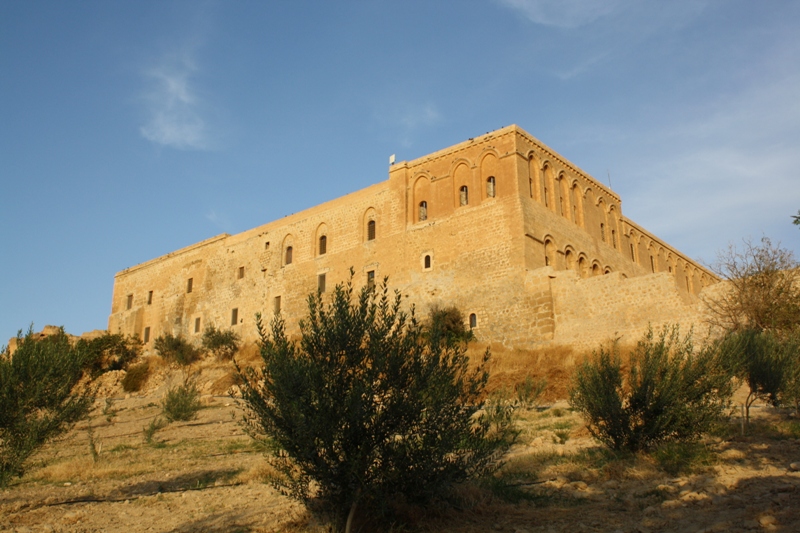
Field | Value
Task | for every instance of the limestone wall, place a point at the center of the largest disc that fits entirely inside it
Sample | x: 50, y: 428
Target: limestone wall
x: 498, y: 225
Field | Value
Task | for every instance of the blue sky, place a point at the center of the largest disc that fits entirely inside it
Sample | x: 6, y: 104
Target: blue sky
x: 130, y: 129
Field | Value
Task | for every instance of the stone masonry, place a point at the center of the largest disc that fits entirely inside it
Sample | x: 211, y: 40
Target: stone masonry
x: 533, y: 251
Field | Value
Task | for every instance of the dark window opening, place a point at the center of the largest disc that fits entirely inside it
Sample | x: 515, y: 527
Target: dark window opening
x: 149, y: 297
x: 603, y: 231
x: 197, y: 325
x: 463, y: 194
x: 473, y: 321
x: 530, y: 186
x: 321, y: 283
x: 423, y: 211
x: 147, y: 334
x: 427, y: 261
x: 652, y: 264
x: 266, y: 245
x: 490, y: 190
x: 234, y: 316
x: 288, y: 260
x: 633, y: 255
x: 371, y: 279
x: 129, y: 302
x: 670, y: 269
x: 546, y: 202
x: 240, y: 274
x: 276, y: 308
x: 371, y: 230
x: 323, y: 245
x: 189, y: 285
x: 614, y: 238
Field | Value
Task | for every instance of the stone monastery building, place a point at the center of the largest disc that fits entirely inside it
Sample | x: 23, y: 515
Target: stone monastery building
x: 529, y: 247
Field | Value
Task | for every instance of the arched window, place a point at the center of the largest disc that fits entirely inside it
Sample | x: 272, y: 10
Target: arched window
x: 423, y: 211
x: 490, y: 187
x: 473, y: 321
x: 427, y: 261
x: 463, y: 195
x: 549, y: 253
x: 288, y: 258
x: 371, y: 230
x: 595, y: 269
x: 323, y: 245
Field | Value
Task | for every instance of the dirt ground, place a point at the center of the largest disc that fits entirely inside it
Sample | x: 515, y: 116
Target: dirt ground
x: 207, y: 475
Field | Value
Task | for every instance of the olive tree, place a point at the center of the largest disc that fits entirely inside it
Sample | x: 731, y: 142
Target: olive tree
x: 42, y: 395
x: 369, y: 407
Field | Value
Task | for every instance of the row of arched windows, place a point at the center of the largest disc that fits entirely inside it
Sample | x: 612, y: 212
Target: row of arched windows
x: 573, y: 260
x: 650, y: 254
x: 463, y: 198
x: 322, y: 240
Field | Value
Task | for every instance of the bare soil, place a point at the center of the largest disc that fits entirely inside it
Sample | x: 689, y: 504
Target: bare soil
x: 207, y: 475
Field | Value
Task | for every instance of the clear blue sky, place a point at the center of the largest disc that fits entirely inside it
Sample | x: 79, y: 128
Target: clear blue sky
x: 130, y: 129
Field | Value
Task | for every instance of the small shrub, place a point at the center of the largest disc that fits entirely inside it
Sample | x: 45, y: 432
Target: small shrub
x: 529, y: 391
x: 223, y: 344
x: 149, y: 431
x: 182, y: 402
x: 448, y: 324
x: 176, y: 349
x: 669, y: 393
x: 111, y: 351
x: 41, y: 396
x: 675, y: 458
x: 135, y: 377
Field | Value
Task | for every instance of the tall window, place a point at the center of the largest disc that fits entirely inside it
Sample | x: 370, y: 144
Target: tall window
x: 189, y: 285
x: 427, y: 261
x: 323, y: 245
x: 603, y: 231
x: 149, y: 297
x: 276, y: 306
x: 463, y: 195
x: 473, y: 321
x: 288, y: 260
x: 530, y: 186
x: 240, y: 273
x: 633, y: 254
x: 652, y: 264
x: 423, y: 211
x: 614, y: 238
x: 370, y: 278
x: 234, y: 316
x: 490, y: 187
x: 371, y: 230
x: 321, y: 283
x: 147, y: 334
x: 129, y: 303
x: 197, y: 325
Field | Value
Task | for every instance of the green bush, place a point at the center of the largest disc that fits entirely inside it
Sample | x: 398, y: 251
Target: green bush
x: 669, y: 392
x: 41, y: 396
x: 135, y: 377
x: 182, y: 402
x: 223, y: 344
x: 447, y: 323
x: 176, y: 349
x: 111, y: 351
x: 766, y: 361
x: 368, y: 408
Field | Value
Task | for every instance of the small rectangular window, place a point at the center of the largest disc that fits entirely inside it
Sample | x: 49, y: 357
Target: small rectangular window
x: 276, y: 308
x: 197, y: 325
x: 240, y: 274
x: 371, y: 279
x: 234, y: 316
x: 147, y: 334
x: 149, y: 297
x: 189, y: 286
x: 129, y: 302
x: 321, y: 283
x: 371, y: 230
